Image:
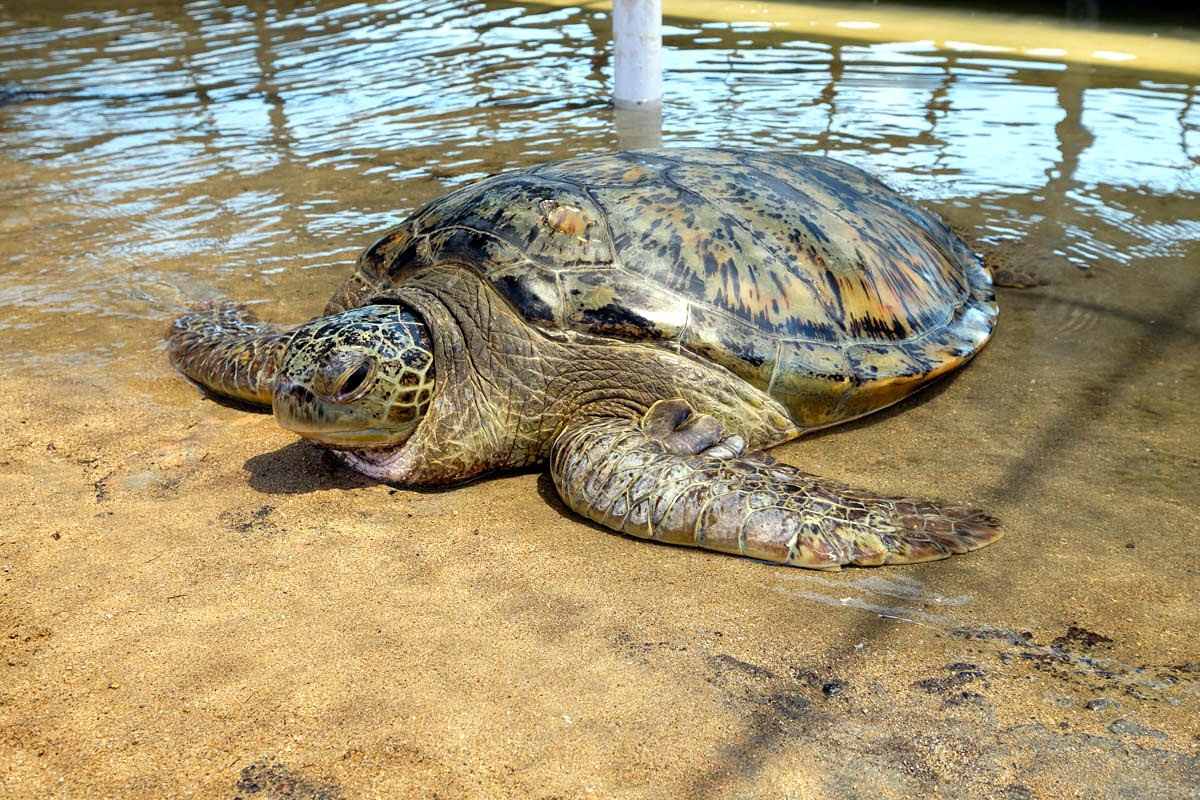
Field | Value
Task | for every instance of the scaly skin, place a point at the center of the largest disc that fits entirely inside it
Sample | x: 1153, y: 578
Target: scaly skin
x: 504, y: 392
x: 667, y: 481
x: 361, y: 378
x: 228, y: 351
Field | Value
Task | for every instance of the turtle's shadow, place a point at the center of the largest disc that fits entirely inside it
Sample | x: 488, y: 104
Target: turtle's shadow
x: 549, y: 494
x: 301, y: 468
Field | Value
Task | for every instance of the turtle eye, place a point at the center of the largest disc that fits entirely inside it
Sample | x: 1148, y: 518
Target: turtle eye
x: 354, y: 380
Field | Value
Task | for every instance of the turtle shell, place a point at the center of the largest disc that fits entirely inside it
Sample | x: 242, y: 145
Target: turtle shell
x: 805, y: 276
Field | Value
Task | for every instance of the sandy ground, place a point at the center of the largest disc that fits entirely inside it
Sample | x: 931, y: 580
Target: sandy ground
x: 196, y: 604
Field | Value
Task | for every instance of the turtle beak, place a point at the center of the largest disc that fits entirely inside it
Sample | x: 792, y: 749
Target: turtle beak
x: 295, y: 407
x: 301, y: 411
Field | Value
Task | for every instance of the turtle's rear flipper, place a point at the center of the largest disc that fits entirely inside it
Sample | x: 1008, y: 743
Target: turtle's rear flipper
x: 675, y: 478
x: 1012, y: 278
x: 228, y: 351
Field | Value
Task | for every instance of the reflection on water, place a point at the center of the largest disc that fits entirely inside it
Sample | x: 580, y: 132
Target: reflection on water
x: 191, y: 146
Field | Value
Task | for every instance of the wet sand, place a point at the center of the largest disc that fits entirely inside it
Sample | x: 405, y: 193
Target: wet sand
x: 196, y: 604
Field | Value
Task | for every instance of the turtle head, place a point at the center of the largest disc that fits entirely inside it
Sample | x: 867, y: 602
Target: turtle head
x: 360, y: 380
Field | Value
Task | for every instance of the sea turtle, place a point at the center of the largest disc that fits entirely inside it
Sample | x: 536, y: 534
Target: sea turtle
x: 646, y: 322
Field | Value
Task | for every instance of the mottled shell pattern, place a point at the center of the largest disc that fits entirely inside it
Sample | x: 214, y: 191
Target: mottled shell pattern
x: 805, y: 276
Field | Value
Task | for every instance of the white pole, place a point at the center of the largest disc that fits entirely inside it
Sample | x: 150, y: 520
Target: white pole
x: 637, y: 52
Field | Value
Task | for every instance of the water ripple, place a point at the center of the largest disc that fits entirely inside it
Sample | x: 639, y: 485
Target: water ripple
x: 239, y: 145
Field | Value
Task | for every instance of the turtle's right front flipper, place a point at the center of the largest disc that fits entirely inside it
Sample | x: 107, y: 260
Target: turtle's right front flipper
x: 673, y: 478
x: 228, y: 351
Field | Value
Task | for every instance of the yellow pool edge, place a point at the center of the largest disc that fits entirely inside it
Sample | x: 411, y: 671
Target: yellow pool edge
x: 966, y: 31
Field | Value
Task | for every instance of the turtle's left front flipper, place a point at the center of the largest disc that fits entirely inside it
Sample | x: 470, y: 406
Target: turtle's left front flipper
x: 676, y: 478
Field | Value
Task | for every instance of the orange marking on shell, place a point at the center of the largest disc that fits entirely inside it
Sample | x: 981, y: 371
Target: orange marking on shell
x: 633, y: 175
x: 565, y: 219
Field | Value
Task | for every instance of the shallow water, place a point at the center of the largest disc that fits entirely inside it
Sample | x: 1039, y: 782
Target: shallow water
x: 154, y: 155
